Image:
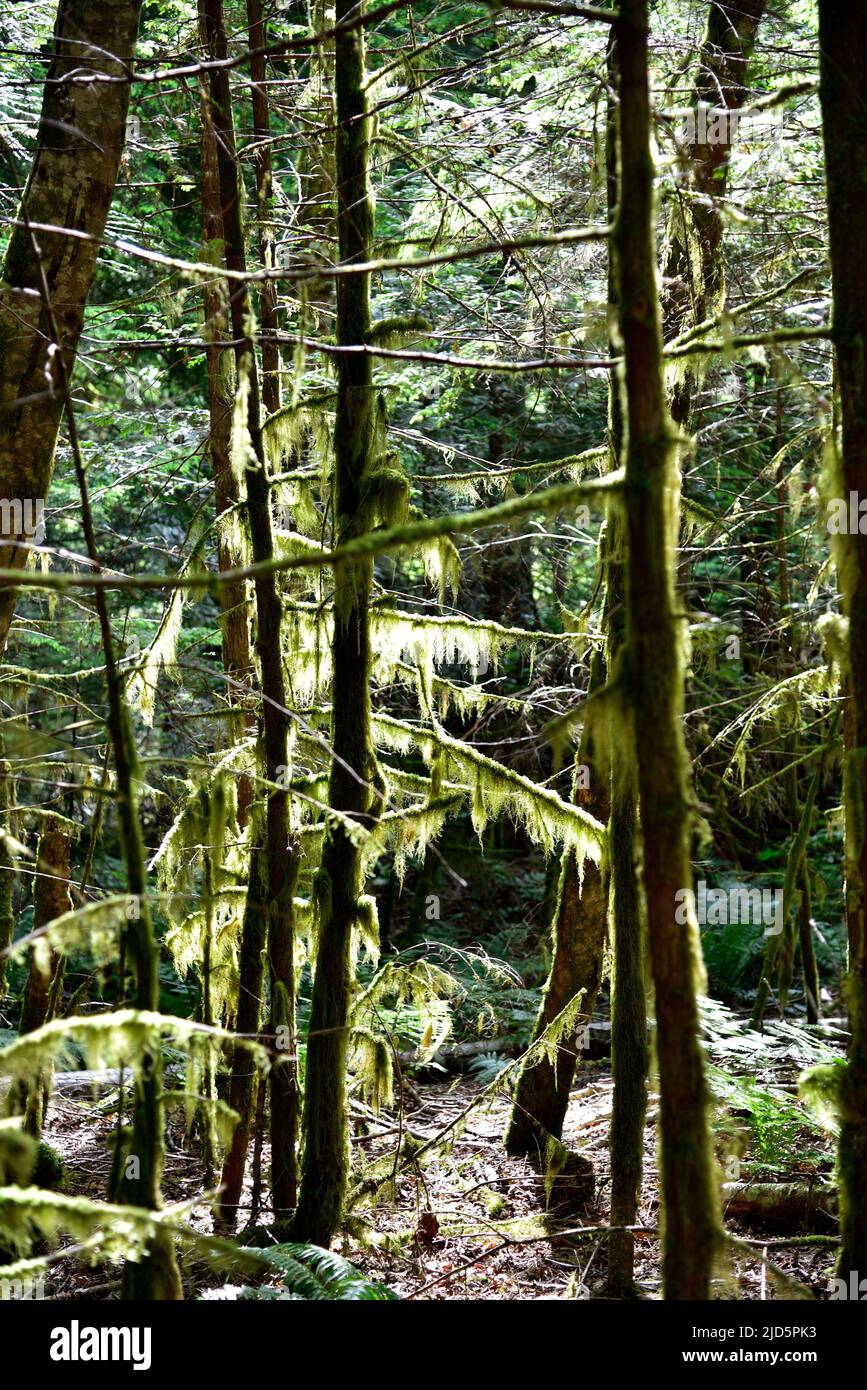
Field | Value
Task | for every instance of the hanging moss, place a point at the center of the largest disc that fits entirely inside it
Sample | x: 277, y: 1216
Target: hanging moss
x: 304, y: 424
x: 92, y: 929
x: 206, y: 827
x: 125, y: 1037
x: 108, y: 1231
x: 162, y: 649
x: 392, y: 332
x: 546, y: 818
x: 372, y: 1063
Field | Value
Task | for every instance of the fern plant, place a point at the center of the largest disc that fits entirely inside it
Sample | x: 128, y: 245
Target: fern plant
x: 307, y: 1273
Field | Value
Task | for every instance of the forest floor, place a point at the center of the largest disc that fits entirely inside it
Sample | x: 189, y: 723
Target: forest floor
x: 490, y: 1237
x: 468, y: 1223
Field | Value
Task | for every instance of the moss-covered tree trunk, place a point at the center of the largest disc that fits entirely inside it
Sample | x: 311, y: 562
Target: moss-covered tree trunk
x: 353, y: 769
x: 655, y: 663
x: 257, y: 30
x: 799, y: 927
x: 50, y: 899
x: 280, y: 857
x: 693, y: 265
x: 694, y: 286
x: 70, y: 185
x: 629, y: 1051
x: 237, y: 658
x: 807, y: 944
x: 579, y: 928
x: 244, y: 1080
x: 155, y: 1275
x: 843, y: 91
x: 789, y: 641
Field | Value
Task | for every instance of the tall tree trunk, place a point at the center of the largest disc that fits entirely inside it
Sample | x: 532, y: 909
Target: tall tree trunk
x: 71, y: 183
x: 236, y: 653
x: 693, y: 268
x: 353, y: 769
x: 244, y: 1080
x: 542, y: 1092
x: 50, y: 899
x: 629, y: 1051
x: 789, y: 641
x: 281, y: 859
x: 155, y: 1275
x: 843, y: 92
x: 264, y: 208
x: 693, y: 265
x: 692, y: 1224
x: 237, y: 659
x: 807, y: 943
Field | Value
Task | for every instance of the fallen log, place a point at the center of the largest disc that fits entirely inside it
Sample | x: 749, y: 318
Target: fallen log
x: 458, y: 1056
x: 70, y: 1084
x: 783, y: 1208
